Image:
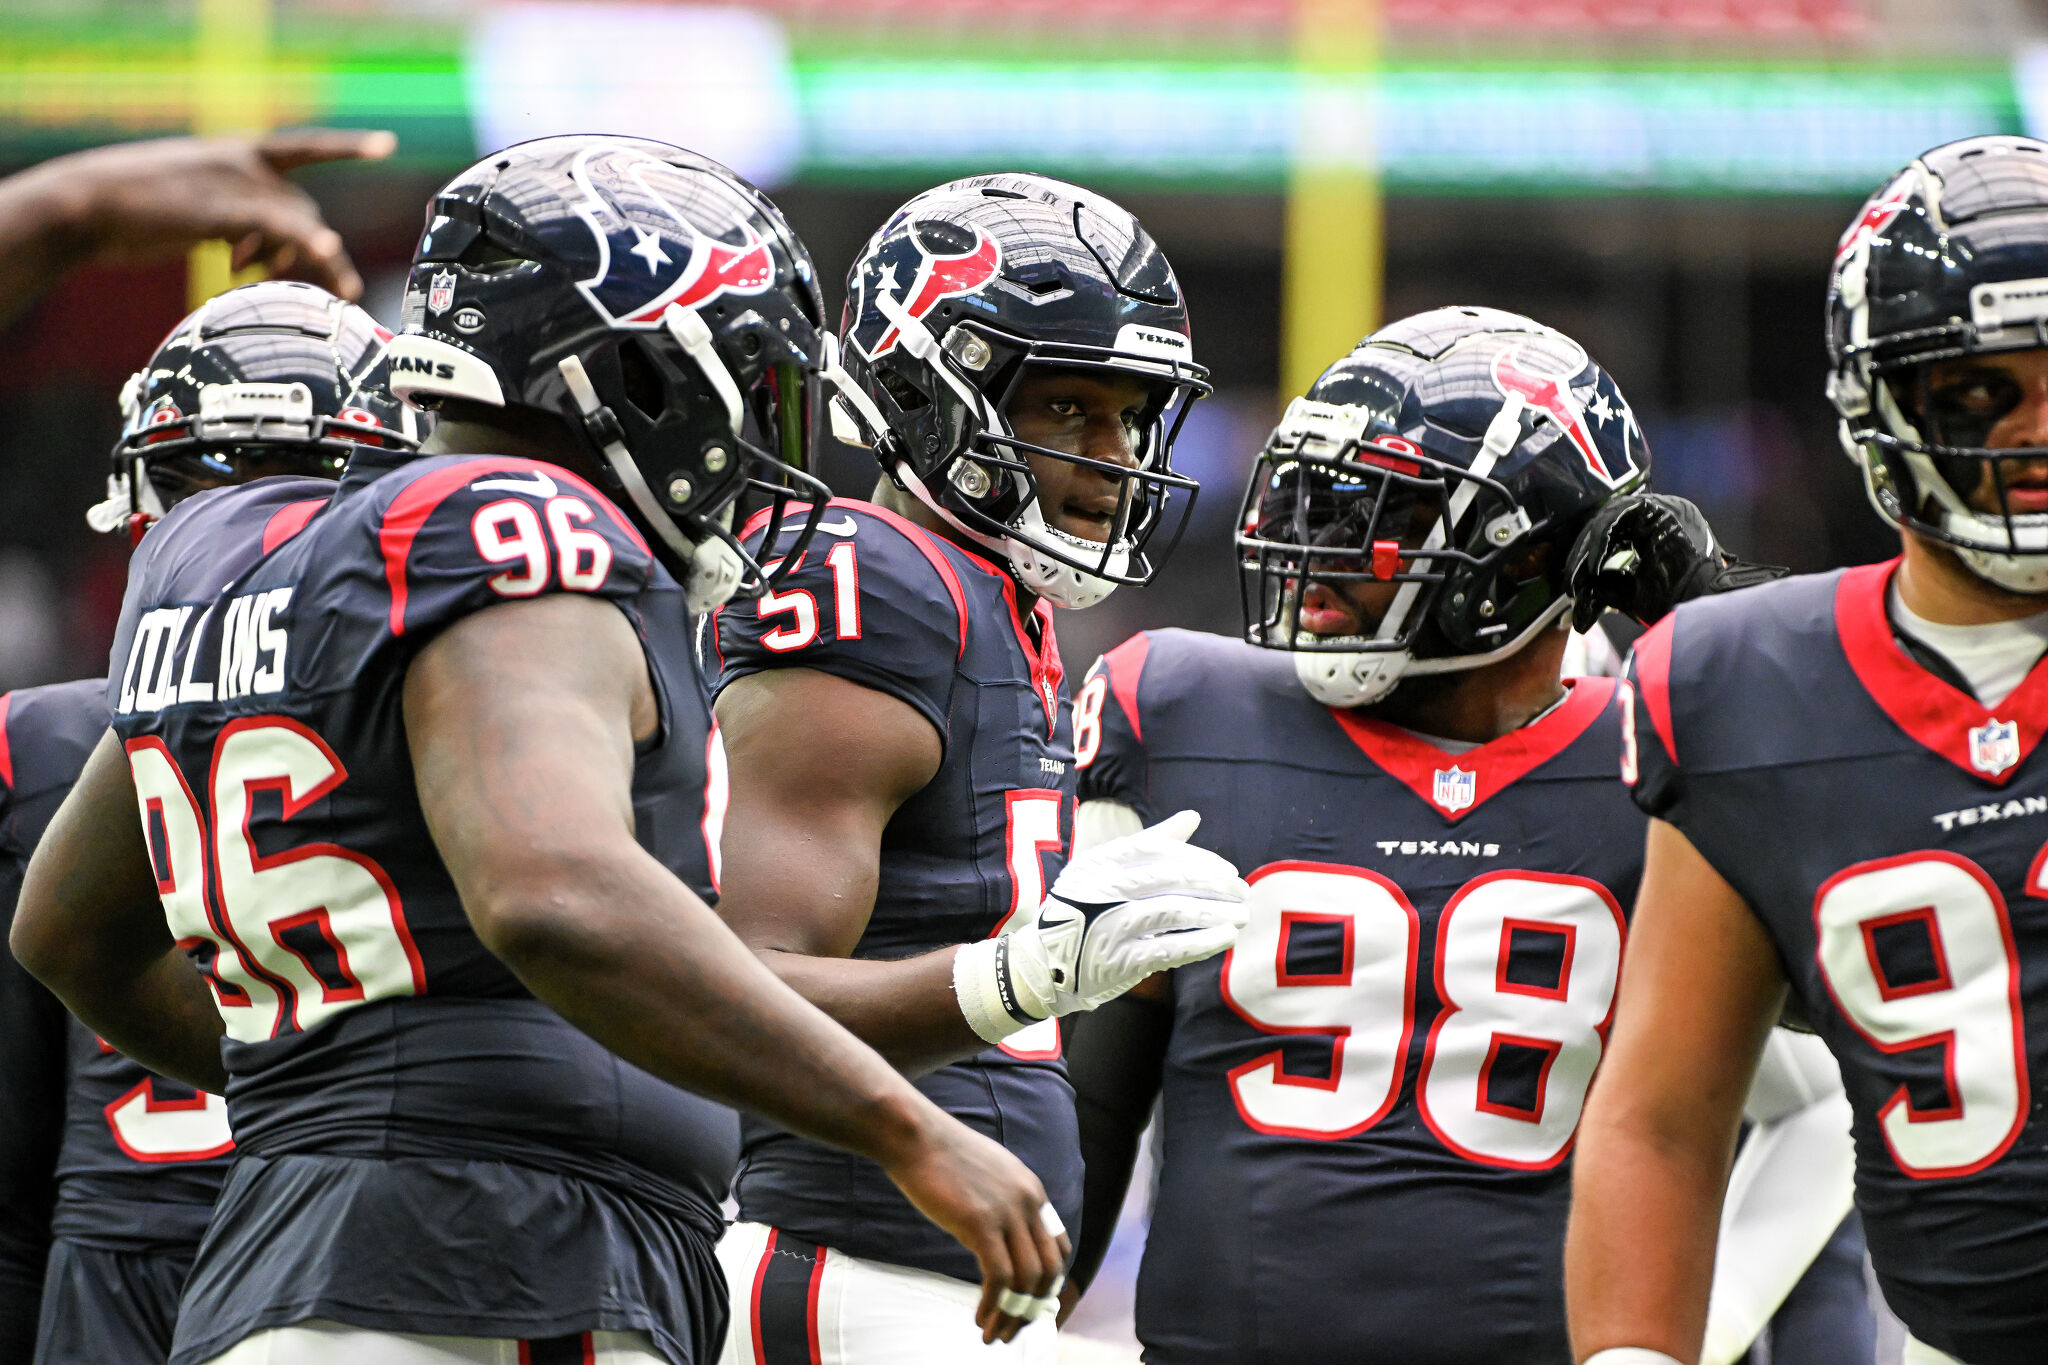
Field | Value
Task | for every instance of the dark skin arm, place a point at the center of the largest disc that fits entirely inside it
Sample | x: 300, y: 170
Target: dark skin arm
x: 91, y: 927
x: 1700, y: 989
x: 522, y: 720
x: 1115, y: 1057
x: 136, y: 201
x: 819, y: 766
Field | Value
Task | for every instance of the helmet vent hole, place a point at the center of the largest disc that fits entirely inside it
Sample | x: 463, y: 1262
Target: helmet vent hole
x: 642, y: 380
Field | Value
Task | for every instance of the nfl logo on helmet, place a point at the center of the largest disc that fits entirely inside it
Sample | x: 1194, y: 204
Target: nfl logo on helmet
x: 1995, y: 746
x: 1454, y: 790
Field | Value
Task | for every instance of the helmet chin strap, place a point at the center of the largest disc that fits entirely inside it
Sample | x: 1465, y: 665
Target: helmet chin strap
x: 714, y: 570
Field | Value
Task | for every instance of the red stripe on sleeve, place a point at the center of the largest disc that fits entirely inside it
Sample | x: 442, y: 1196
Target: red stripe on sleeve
x: 1653, y: 681
x: 288, y: 520
x: 922, y: 539
x: 6, y: 754
x: 1125, y: 665
x: 416, y: 502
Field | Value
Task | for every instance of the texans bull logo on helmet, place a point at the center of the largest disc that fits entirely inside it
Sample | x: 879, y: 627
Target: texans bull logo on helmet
x: 1517, y: 371
x: 651, y: 255
x: 932, y: 278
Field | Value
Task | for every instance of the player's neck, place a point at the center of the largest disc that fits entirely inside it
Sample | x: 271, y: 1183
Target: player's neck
x: 1935, y: 586
x: 913, y: 510
x: 1481, y: 704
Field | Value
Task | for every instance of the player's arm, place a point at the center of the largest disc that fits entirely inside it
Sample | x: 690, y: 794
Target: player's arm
x: 91, y: 927
x: 1115, y: 1057
x: 1700, y: 989
x: 522, y: 720
x: 819, y: 765
x: 138, y: 200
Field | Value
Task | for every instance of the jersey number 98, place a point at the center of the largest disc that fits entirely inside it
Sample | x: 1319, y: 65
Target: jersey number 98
x: 1550, y: 1023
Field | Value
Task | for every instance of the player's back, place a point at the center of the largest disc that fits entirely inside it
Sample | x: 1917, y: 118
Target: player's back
x: 538, y: 1184
x: 1368, y: 1104
x: 1888, y: 831
x: 885, y: 604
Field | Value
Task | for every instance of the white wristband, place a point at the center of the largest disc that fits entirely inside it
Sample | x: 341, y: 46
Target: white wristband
x: 1631, y: 1355
x: 978, y: 986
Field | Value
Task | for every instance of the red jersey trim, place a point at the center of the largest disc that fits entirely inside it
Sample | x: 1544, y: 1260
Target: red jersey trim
x: 1930, y: 711
x: 1653, y: 682
x: 1125, y: 665
x: 926, y: 546
x: 6, y: 752
x: 288, y: 520
x: 416, y: 502
x: 1495, y: 765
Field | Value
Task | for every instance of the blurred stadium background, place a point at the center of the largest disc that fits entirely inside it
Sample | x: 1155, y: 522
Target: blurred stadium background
x: 1664, y: 179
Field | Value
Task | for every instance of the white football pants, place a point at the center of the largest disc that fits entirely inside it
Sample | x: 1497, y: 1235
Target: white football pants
x: 795, y: 1304
x: 318, y: 1342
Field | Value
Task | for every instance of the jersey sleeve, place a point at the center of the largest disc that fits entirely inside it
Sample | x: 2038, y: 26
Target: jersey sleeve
x: 45, y: 736
x: 1649, y: 749
x: 868, y: 602
x: 474, y: 533
x: 1109, y: 746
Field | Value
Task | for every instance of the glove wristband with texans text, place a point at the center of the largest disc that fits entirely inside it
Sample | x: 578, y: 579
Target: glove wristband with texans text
x: 987, y: 995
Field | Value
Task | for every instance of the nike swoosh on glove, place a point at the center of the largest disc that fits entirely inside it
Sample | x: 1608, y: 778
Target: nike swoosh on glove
x: 1118, y: 913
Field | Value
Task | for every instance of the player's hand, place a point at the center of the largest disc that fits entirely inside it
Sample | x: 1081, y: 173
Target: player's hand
x: 994, y: 1206
x: 140, y: 200
x: 1121, y: 911
x: 1643, y: 553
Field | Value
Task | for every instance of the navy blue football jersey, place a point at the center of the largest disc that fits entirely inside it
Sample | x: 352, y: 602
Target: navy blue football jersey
x: 142, y: 1156
x: 1368, y: 1104
x: 520, y: 1181
x: 45, y: 735
x: 879, y: 601
x: 1891, y: 833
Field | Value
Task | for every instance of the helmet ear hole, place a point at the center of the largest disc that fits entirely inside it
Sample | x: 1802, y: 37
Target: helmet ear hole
x: 642, y: 379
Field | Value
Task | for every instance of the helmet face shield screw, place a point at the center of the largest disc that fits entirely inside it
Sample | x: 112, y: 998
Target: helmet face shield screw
x: 715, y: 459
x: 679, y: 490
x: 971, y: 479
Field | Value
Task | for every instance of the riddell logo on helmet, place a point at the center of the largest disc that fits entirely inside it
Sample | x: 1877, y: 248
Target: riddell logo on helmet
x: 937, y: 278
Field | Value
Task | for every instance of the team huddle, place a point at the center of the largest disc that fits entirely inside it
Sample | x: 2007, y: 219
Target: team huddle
x: 527, y: 818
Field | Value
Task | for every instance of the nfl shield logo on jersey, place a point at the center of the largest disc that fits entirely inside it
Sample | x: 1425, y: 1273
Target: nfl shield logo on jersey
x: 441, y: 295
x: 1995, y: 746
x: 1454, y: 790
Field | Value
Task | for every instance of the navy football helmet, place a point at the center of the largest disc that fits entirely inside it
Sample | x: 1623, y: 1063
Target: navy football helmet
x: 960, y: 292
x: 275, y: 377
x: 656, y: 302
x: 1457, y: 454
x: 1949, y: 259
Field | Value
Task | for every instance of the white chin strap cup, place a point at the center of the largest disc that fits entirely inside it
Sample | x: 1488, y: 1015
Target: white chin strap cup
x: 1348, y: 679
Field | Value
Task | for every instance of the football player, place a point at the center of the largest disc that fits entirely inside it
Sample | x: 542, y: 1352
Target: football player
x: 1368, y: 1103
x: 414, y: 761
x: 270, y: 379
x: 1845, y: 804
x: 1017, y: 356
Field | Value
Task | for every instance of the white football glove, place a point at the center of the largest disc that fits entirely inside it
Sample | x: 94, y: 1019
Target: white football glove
x: 1118, y: 913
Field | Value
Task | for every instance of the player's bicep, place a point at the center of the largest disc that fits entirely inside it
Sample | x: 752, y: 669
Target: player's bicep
x: 90, y: 893
x: 818, y: 767
x: 521, y: 721
x: 1700, y: 988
